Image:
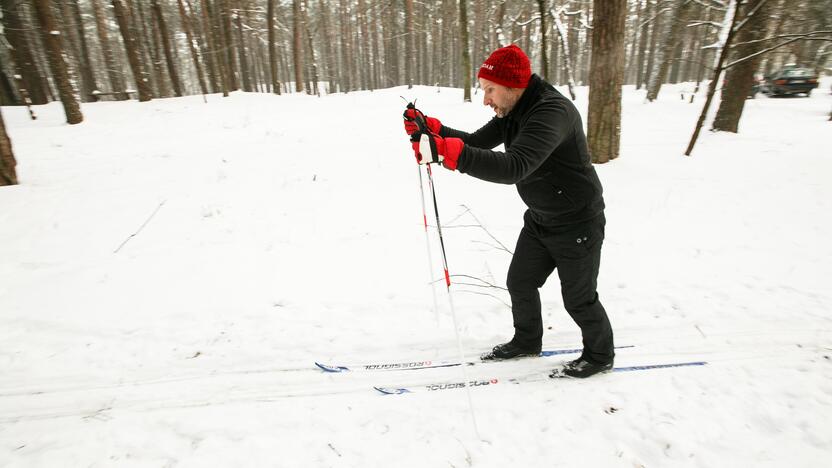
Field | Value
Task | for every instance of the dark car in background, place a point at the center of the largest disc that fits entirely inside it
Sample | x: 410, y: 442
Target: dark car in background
x: 790, y: 81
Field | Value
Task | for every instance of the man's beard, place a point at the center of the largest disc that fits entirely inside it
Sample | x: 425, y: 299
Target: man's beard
x: 504, y: 111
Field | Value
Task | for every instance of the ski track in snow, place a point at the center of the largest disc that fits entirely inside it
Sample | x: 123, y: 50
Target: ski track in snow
x: 258, y: 234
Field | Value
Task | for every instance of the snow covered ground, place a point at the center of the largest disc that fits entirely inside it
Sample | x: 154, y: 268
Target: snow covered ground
x: 171, y: 271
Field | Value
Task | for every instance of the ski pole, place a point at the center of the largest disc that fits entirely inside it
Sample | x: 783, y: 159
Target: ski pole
x: 422, y: 127
x: 451, y: 300
x: 427, y: 245
x: 420, y: 136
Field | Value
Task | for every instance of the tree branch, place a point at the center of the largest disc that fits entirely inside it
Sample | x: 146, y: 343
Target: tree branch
x: 783, y: 36
x: 749, y: 57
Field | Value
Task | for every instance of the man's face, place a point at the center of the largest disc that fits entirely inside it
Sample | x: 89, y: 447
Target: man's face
x: 500, y: 98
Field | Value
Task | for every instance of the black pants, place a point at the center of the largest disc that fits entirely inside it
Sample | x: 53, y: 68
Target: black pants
x: 576, y: 253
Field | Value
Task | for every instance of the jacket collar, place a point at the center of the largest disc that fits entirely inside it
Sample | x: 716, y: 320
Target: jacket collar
x: 529, y: 96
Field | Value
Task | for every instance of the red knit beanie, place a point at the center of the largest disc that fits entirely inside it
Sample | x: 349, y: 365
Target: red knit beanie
x: 508, y: 66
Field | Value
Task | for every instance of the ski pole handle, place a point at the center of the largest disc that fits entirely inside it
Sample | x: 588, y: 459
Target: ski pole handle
x: 418, y: 117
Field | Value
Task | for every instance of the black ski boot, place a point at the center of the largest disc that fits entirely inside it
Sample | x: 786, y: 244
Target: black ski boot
x: 509, y: 351
x: 580, y: 369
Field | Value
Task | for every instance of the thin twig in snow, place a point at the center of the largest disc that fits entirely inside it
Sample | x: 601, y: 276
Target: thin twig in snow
x: 485, y: 284
x: 140, y: 227
x: 486, y: 231
x: 484, y: 294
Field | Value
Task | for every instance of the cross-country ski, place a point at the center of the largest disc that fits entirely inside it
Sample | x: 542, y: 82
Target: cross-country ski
x: 429, y: 363
x: 538, y: 377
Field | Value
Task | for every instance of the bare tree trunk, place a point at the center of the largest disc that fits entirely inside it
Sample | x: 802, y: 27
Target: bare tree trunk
x: 57, y: 62
x: 297, y: 57
x: 24, y: 94
x: 220, y: 47
x: 687, y: 57
x: 214, y: 42
x: 642, y: 43
x: 225, y: 27
x: 149, y: 46
x: 656, y: 30
x: 499, y: 32
x: 9, y: 92
x: 376, y: 83
x: 201, y: 47
x: 346, y: 82
x: 24, y: 59
x: 163, y: 32
x: 423, y: 69
x: 284, y: 54
x: 572, y: 39
x: 242, y: 54
x: 352, y: 39
x: 272, y: 50
x: 113, y: 73
x: 740, y: 77
x: 142, y: 85
x: 730, y: 13
x: 87, y: 76
x: 410, y: 50
x: 632, y: 56
x: 466, y: 54
x: 313, y: 60
x: 453, y: 43
x: 8, y: 171
x: 544, y: 58
x: 606, y: 77
x: 567, y: 57
x: 480, y: 34
x: 675, y: 63
x: 369, y: 64
x: 554, y: 58
x: 71, y: 47
x: 699, y: 57
x: 186, y: 25
x: 665, y: 55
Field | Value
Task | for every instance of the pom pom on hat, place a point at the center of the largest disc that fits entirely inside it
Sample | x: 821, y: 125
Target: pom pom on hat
x: 508, y: 66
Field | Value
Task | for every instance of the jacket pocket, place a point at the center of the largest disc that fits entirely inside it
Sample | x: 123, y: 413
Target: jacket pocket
x: 545, y: 198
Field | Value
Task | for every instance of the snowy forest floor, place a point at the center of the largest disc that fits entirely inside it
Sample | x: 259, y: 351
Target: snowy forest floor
x: 275, y: 231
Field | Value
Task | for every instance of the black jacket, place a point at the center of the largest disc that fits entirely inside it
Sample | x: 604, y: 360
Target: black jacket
x: 546, y: 157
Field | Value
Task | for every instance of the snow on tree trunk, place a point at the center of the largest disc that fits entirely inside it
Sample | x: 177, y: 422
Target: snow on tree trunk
x: 740, y: 78
x: 566, y: 56
x: 728, y: 23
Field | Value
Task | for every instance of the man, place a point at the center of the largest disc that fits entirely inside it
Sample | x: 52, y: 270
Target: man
x: 547, y: 159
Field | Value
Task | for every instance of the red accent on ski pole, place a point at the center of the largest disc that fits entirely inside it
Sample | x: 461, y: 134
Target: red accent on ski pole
x: 425, y: 219
x: 447, y: 278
